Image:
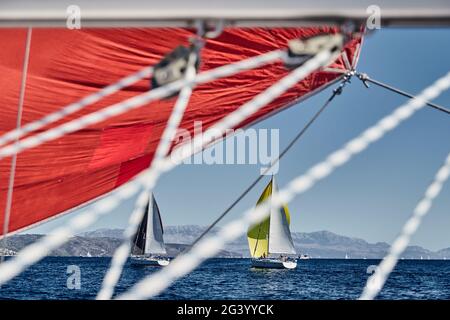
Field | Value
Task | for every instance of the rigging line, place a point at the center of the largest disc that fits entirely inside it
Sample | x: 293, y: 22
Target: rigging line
x: 41, y: 248
x: 155, y: 283
x: 376, y: 282
x: 336, y: 92
x: 9, y: 196
x: 138, y: 102
x: 121, y: 254
x: 75, y: 106
x: 365, y: 78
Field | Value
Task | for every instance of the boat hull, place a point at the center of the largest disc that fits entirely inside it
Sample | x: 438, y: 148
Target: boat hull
x: 145, y: 261
x: 273, y: 264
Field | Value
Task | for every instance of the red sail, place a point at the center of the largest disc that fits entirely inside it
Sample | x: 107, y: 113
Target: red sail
x: 67, y: 65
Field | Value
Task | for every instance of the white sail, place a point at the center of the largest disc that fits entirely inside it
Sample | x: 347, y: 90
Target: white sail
x: 154, y: 242
x: 280, y: 240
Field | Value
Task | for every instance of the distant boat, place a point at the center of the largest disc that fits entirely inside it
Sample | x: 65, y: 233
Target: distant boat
x: 270, y: 241
x: 6, y: 253
x: 304, y: 257
x: 346, y: 256
x: 148, y: 245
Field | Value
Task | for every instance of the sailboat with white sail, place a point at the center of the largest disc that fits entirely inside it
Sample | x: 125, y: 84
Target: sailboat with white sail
x: 148, y: 245
x: 270, y: 241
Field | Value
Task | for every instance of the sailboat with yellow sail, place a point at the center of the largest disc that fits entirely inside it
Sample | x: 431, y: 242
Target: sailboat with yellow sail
x: 270, y: 241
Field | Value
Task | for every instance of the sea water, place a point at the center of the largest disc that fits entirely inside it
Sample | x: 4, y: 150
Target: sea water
x: 80, y: 278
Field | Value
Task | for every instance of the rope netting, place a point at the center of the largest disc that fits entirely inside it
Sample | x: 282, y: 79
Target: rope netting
x: 300, y: 134
x: 143, y: 183
x: 75, y: 107
x: 147, y: 179
x: 121, y: 254
x: 155, y: 283
x: 376, y: 282
x: 134, y: 103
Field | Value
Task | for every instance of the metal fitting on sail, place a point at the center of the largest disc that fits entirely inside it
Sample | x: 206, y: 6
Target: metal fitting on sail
x: 363, y: 77
x: 209, y: 29
x: 346, y: 79
x: 300, y: 50
x: 174, y: 65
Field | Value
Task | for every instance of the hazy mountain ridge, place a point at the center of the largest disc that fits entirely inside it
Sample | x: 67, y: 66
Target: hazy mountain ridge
x: 76, y: 246
x: 99, y: 243
x: 319, y: 244
x: 444, y: 252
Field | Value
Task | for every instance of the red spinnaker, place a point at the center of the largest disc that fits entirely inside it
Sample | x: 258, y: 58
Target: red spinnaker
x: 66, y: 65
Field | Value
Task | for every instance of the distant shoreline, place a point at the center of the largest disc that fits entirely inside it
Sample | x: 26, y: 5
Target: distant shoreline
x: 248, y: 258
x: 317, y: 245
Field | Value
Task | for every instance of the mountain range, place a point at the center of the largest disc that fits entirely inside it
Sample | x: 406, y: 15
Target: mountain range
x: 320, y: 244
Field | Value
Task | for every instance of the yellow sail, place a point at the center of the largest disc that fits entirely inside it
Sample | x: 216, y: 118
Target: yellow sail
x: 258, y: 235
x: 286, y: 212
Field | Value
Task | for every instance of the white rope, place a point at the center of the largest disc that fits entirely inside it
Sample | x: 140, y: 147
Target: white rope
x: 136, y: 102
x: 376, y: 282
x: 74, y: 107
x: 243, y: 112
x: 231, y: 120
x: 121, y: 254
x: 12, y: 172
x: 148, y: 178
x: 210, y: 246
x: 41, y: 248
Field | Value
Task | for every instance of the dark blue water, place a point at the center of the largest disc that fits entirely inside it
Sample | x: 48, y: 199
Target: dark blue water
x: 233, y: 279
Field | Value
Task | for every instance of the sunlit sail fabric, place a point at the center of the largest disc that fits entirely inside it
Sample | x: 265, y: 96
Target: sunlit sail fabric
x: 67, y: 65
x: 149, y: 238
x: 154, y: 241
x: 258, y: 235
x: 279, y: 233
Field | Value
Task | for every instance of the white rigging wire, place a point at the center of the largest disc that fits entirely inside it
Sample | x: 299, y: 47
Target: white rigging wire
x: 155, y: 283
x: 74, y: 107
x: 36, y: 251
x: 376, y: 282
x: 136, y: 102
x: 121, y: 254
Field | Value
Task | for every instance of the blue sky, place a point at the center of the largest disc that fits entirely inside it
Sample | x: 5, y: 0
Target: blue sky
x: 371, y: 196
